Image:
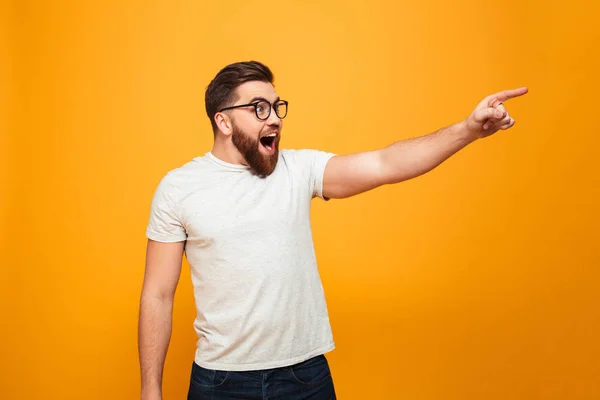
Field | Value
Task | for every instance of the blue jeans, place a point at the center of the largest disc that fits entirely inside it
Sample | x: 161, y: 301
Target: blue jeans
x: 310, y: 379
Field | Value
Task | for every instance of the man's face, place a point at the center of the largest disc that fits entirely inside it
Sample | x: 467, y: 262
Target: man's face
x: 256, y: 140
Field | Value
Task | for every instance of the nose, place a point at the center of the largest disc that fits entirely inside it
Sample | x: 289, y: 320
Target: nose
x: 274, y: 120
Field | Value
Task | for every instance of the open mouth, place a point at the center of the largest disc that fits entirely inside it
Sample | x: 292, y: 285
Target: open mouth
x: 268, y: 142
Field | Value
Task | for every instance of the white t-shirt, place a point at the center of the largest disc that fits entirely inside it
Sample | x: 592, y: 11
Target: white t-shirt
x: 258, y: 293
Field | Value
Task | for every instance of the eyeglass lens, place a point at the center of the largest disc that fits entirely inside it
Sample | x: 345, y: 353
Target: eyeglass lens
x: 263, y: 109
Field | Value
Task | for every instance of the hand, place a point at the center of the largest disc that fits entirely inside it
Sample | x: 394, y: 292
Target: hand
x: 490, y: 115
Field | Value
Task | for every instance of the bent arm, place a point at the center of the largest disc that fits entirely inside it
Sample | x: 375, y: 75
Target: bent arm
x: 163, y: 267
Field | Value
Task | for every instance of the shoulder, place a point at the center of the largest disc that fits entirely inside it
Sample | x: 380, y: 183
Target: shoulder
x: 175, y: 181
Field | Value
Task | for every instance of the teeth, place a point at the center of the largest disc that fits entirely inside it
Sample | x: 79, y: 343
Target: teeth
x: 272, y: 135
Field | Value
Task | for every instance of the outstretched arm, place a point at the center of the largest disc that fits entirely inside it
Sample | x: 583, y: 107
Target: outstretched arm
x: 352, y: 174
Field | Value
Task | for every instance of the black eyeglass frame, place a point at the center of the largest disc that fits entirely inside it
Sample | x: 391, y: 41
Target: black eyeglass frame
x: 255, y: 105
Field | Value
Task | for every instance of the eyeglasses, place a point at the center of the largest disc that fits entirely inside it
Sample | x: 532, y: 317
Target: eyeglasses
x: 263, y: 108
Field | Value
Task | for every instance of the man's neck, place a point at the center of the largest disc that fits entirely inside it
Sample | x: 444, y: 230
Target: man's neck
x: 224, y: 150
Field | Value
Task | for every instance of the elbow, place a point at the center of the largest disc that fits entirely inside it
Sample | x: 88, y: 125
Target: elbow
x: 391, y: 172
x: 388, y: 172
x: 157, y: 295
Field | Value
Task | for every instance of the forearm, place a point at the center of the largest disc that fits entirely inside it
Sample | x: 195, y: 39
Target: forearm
x: 413, y: 157
x: 154, y: 334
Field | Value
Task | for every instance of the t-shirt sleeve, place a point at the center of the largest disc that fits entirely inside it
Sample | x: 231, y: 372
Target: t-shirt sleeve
x: 315, y: 162
x: 164, y: 224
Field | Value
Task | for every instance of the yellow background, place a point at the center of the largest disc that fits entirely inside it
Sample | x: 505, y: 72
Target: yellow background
x: 478, y: 280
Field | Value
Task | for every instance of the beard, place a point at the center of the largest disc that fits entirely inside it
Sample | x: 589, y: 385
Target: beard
x: 262, y: 165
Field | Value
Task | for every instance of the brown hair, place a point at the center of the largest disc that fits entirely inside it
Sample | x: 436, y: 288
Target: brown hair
x: 221, y: 92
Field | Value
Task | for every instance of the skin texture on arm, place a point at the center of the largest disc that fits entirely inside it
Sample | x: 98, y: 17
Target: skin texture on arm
x: 162, y: 271
x: 352, y: 174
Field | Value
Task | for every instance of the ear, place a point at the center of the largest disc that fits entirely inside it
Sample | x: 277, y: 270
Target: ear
x: 224, y: 123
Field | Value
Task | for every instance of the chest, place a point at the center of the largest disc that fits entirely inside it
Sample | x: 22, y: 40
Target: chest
x: 242, y: 208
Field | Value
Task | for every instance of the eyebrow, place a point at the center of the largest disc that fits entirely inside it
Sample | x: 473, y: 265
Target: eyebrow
x: 258, y: 98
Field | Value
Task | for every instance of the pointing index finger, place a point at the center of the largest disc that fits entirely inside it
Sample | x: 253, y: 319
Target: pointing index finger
x: 507, y: 95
